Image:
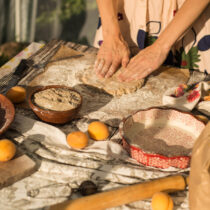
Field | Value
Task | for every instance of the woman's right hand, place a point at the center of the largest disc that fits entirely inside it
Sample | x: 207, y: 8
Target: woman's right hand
x: 112, y: 53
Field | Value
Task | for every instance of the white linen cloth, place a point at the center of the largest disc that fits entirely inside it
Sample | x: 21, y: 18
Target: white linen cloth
x: 187, y: 97
x: 61, y: 168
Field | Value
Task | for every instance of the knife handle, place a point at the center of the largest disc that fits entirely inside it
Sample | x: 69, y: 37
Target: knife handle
x: 22, y: 66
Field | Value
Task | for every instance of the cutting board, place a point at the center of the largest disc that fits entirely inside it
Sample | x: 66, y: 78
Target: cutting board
x: 19, y: 167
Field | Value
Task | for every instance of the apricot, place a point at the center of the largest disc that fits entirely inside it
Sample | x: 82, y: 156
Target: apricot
x: 202, y: 118
x: 16, y: 94
x: 161, y: 201
x: 98, y: 130
x: 206, y: 98
x: 7, y: 150
x: 77, y: 140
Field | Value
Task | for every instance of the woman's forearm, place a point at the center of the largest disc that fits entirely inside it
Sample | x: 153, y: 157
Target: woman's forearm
x: 114, y: 51
x: 108, y: 13
x: 184, y: 18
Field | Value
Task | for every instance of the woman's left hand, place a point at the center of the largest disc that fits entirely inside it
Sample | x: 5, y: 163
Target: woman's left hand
x: 144, y: 63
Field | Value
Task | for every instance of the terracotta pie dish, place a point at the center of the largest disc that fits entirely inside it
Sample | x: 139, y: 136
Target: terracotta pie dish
x: 7, y: 113
x: 161, y: 137
x: 51, y: 116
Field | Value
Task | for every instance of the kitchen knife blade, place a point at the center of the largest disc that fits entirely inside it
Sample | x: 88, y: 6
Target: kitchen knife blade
x: 16, y: 76
x: 12, y: 79
x: 42, y: 65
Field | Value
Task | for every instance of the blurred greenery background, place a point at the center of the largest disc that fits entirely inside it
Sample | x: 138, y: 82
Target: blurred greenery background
x: 71, y: 20
x: 25, y: 21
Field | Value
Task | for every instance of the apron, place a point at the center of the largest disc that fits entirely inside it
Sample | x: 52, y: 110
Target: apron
x: 142, y: 21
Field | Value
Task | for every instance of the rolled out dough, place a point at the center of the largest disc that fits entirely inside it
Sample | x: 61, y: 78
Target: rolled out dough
x: 111, y: 85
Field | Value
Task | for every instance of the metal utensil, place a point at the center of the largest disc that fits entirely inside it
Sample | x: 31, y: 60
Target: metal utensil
x: 13, y: 78
x: 42, y: 65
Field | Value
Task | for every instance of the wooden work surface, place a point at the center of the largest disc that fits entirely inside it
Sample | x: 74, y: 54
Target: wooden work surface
x: 95, y: 100
x: 19, y: 167
x: 60, y: 169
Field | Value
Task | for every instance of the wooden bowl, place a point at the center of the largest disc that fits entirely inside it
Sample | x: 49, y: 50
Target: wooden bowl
x: 7, y: 113
x: 51, y: 116
x: 161, y: 137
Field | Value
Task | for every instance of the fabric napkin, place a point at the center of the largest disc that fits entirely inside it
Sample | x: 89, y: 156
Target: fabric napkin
x: 187, y: 97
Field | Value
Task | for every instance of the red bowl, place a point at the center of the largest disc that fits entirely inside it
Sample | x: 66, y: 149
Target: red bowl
x: 7, y: 113
x: 161, y: 137
x: 51, y: 116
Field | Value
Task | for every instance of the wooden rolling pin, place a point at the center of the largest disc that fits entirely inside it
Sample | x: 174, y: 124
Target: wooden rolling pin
x: 124, y: 195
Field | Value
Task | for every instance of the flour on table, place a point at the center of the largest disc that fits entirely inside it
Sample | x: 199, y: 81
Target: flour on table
x: 111, y: 85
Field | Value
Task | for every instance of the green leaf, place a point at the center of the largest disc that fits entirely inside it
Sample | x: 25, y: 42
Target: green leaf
x: 192, y: 58
x: 149, y: 40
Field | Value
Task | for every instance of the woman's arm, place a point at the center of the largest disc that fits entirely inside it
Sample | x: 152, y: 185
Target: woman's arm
x: 184, y: 18
x: 108, y: 12
x: 153, y: 56
x: 114, y: 50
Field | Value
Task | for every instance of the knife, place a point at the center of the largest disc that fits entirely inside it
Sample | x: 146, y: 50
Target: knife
x: 12, y: 79
x: 42, y: 65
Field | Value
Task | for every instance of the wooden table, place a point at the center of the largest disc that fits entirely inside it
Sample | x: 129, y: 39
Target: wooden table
x: 60, y: 170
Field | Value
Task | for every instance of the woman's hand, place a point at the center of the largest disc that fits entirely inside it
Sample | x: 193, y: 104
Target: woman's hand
x: 144, y: 63
x: 149, y: 59
x: 113, y: 53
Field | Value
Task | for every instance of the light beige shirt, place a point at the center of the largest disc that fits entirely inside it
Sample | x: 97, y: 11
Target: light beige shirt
x: 142, y: 21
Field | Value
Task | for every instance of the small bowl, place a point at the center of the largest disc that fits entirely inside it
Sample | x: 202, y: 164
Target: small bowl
x: 51, y: 116
x: 7, y: 113
x: 161, y: 137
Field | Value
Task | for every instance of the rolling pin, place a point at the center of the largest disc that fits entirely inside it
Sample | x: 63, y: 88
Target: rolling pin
x: 124, y: 195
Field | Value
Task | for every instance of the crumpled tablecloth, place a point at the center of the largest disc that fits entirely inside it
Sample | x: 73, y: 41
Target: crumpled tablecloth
x: 24, y: 54
x: 187, y: 97
x: 61, y: 169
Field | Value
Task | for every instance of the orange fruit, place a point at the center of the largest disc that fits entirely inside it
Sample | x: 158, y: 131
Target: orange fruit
x: 98, y: 130
x: 206, y: 98
x: 7, y: 150
x: 77, y: 140
x: 162, y: 201
x: 16, y: 94
x: 202, y: 118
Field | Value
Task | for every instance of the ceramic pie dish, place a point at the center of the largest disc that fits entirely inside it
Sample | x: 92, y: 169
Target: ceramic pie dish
x: 161, y: 137
x: 7, y: 113
x: 54, y: 116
